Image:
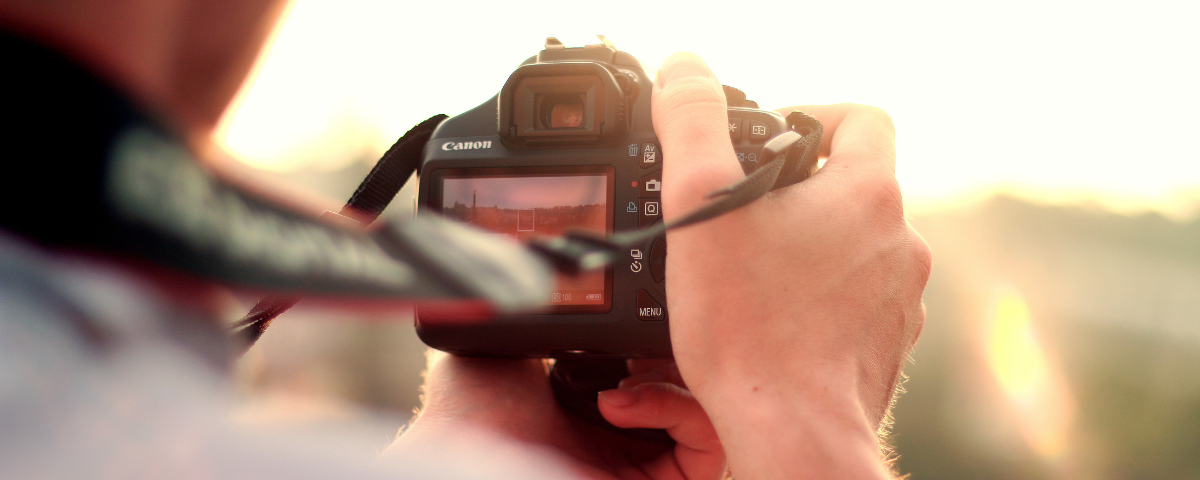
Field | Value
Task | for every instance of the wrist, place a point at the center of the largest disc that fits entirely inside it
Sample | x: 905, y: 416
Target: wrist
x: 438, y: 448
x: 812, y: 427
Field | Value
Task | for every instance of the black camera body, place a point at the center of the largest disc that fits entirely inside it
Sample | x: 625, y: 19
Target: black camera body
x: 568, y: 143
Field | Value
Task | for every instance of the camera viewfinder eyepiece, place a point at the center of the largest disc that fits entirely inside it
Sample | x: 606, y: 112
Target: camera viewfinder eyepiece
x: 569, y: 96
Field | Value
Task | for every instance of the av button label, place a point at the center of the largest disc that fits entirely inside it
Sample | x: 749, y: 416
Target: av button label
x: 651, y: 155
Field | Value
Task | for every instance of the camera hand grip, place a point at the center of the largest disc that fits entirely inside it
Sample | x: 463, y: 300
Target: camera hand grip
x: 577, y: 381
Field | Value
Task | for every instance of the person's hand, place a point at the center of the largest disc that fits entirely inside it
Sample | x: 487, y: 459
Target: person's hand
x: 791, y: 317
x: 512, y: 400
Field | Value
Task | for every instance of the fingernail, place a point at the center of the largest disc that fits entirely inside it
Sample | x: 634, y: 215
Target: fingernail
x: 619, y: 397
x: 681, y: 65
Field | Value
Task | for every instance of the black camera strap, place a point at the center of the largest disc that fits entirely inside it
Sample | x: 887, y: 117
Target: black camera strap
x: 369, y: 200
x: 101, y: 178
x: 788, y: 158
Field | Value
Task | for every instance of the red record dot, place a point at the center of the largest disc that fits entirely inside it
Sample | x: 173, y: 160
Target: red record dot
x: 634, y: 184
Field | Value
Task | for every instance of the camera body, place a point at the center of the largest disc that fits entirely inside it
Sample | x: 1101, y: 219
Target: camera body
x: 568, y: 143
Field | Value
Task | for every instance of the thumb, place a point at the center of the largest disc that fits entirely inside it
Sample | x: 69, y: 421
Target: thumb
x: 690, y: 120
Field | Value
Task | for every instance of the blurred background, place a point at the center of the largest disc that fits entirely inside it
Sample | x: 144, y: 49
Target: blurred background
x: 1047, y: 153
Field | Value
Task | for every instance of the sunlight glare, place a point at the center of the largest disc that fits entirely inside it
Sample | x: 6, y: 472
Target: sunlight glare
x: 1031, y: 383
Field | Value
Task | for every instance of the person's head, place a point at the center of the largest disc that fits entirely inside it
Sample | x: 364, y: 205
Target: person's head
x: 184, y: 59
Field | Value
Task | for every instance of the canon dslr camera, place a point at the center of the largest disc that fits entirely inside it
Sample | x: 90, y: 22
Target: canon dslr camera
x: 568, y: 144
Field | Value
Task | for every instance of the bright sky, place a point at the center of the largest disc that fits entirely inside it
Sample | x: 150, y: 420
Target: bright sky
x: 1060, y: 100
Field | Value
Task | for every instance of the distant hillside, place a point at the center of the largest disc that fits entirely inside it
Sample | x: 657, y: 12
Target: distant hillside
x: 1114, y: 299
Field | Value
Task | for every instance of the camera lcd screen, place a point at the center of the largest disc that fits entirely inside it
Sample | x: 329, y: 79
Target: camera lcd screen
x: 529, y: 205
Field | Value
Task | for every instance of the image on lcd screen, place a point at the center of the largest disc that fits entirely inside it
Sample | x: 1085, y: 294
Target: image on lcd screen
x: 541, y: 205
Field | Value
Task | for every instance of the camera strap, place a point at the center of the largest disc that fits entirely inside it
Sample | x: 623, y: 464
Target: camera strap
x: 788, y: 159
x: 101, y: 178
x: 369, y: 200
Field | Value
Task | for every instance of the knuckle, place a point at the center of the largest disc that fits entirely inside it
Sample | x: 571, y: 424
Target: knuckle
x: 687, y: 98
x: 921, y: 256
x: 880, y: 196
x: 874, y: 113
x: 921, y: 265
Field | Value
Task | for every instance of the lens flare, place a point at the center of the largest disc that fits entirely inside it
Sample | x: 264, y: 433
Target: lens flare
x: 1031, y: 382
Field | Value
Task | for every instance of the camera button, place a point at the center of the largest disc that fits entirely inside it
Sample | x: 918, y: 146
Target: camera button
x: 650, y: 186
x: 651, y: 155
x: 658, y: 260
x: 759, y: 130
x: 648, y: 309
x: 735, y: 129
x: 651, y: 211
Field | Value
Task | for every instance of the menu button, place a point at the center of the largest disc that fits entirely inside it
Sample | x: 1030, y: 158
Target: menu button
x: 648, y: 309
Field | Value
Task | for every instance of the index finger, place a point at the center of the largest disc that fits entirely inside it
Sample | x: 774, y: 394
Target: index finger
x: 854, y: 133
